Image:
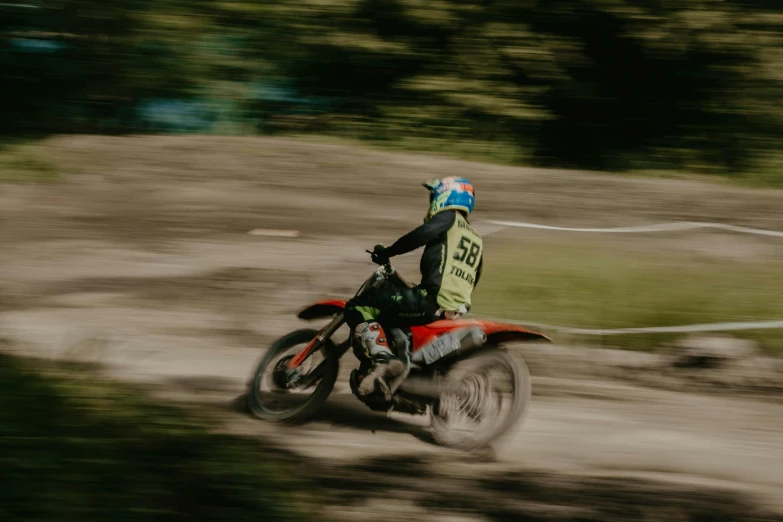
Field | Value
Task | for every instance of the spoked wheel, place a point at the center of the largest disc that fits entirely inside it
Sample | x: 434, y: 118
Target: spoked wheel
x: 281, y: 395
x: 486, y: 394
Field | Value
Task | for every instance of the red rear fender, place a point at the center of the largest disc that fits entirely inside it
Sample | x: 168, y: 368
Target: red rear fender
x: 496, y: 332
x: 322, y: 309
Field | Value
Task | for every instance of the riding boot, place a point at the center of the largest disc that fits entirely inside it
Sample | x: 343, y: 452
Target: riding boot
x: 386, y: 371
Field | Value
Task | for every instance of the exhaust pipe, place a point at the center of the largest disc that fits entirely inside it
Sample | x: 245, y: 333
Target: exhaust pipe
x: 423, y: 387
x: 450, y: 344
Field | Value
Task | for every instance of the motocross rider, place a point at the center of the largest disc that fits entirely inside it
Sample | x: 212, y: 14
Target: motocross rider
x: 450, y: 269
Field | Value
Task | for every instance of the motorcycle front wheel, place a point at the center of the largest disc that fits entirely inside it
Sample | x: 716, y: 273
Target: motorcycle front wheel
x: 484, y: 396
x: 275, y: 396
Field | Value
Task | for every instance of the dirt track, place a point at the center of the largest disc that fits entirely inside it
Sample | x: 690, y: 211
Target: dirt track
x: 145, y: 244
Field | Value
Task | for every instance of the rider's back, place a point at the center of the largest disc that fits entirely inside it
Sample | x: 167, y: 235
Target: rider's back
x: 452, y: 261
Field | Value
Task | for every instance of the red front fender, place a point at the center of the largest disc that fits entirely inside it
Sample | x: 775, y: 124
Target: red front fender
x: 322, y: 309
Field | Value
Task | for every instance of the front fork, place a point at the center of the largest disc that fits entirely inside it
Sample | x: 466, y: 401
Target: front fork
x: 325, y: 333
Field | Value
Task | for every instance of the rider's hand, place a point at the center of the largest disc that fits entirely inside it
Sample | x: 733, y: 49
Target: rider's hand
x: 379, y: 256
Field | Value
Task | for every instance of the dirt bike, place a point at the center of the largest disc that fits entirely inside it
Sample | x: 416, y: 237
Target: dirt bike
x: 471, y: 388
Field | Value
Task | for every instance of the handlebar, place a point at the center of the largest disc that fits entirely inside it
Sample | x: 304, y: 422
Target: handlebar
x: 392, y: 274
x: 386, y: 265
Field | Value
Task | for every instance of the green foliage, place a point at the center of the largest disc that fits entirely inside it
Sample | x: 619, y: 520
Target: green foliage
x: 607, y: 84
x: 77, y: 449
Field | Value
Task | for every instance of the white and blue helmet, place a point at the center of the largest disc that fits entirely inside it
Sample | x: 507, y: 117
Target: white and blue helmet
x: 450, y: 193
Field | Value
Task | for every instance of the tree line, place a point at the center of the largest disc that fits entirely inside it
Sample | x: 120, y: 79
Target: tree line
x: 604, y: 84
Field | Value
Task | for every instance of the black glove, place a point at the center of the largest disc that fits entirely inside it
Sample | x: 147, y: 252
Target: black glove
x: 379, y: 256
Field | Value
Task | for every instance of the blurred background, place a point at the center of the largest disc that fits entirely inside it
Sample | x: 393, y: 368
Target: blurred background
x: 140, y: 142
x: 611, y: 85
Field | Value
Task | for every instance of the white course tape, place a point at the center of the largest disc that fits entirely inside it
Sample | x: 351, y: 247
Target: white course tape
x: 661, y: 227
x: 686, y: 328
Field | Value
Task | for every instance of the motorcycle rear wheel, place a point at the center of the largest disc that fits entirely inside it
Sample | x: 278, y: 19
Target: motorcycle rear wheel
x: 476, y: 408
x: 292, y: 405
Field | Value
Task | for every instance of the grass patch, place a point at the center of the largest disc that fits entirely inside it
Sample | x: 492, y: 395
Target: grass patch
x: 26, y: 162
x: 588, y: 286
x: 77, y: 449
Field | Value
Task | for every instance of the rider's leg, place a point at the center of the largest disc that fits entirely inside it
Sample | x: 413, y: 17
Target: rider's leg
x: 380, y: 367
x: 386, y: 369
x: 382, y: 370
